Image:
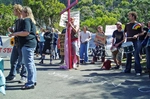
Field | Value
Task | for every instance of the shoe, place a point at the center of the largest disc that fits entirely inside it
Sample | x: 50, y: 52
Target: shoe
x: 138, y: 74
x: 27, y: 87
x: 35, y: 84
x: 61, y: 62
x: 76, y: 68
x: 41, y: 62
x: 116, y: 67
x: 92, y: 63
x: 78, y: 64
x: 127, y: 71
x: 18, y: 71
x: 23, y: 80
x: 10, y: 78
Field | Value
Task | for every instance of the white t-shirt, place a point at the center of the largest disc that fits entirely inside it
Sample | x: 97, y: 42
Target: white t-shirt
x: 85, y: 36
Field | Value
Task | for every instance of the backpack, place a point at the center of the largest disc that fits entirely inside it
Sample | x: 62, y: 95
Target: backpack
x: 106, y: 65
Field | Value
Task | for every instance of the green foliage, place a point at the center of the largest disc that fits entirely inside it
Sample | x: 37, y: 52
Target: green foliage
x: 46, y: 12
x: 6, y: 18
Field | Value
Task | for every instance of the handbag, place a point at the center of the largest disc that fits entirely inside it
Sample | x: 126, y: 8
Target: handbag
x: 144, y: 42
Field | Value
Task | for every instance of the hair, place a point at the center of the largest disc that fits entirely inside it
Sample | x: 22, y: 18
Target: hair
x: 147, y: 23
x: 42, y: 29
x: 101, y: 28
x: 85, y: 27
x: 30, y: 15
x: 134, y: 14
x: 18, y: 8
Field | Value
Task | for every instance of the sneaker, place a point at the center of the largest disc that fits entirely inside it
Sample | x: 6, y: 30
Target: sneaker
x: 23, y: 80
x: 41, y: 62
x: 10, y: 78
x: 117, y: 67
x: 18, y: 71
x: 138, y: 74
x: 61, y: 62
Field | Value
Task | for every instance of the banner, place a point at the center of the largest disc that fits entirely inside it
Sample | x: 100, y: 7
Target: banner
x: 64, y: 18
x: 109, y: 32
x: 6, y: 48
x: 62, y: 41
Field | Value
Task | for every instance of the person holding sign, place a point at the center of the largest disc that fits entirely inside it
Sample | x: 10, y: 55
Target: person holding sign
x: 100, y: 41
x: 118, y: 39
x: 85, y: 37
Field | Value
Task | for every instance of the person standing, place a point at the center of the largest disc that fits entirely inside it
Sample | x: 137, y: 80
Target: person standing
x: 63, y: 32
x: 148, y: 47
x: 16, y: 55
x: 118, y: 39
x: 74, y: 43
x: 100, y: 32
x: 55, y: 43
x: 27, y: 39
x: 48, y: 44
x: 41, y: 40
x: 85, y: 37
x: 133, y: 29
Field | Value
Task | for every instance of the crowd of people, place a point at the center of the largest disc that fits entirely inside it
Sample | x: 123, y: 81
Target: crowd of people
x: 27, y: 42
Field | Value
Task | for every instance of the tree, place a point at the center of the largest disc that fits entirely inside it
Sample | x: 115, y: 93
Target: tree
x: 46, y: 12
x: 6, y: 18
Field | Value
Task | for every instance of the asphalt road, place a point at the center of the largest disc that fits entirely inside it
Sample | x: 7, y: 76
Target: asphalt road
x: 89, y: 82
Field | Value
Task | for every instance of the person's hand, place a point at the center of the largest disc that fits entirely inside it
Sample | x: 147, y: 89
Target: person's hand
x: 116, y: 45
x: 135, y: 36
x: 10, y: 35
x: 10, y: 29
x: 148, y: 34
x: 111, y: 47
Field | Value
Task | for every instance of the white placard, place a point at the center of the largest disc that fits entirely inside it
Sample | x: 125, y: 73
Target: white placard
x: 6, y: 48
x: 64, y: 18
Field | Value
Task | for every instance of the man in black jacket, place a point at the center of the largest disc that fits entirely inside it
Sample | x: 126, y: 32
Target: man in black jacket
x: 48, y: 44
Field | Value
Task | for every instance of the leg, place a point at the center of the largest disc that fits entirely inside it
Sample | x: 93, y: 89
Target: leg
x: 81, y: 52
x: 28, y: 57
x: 138, y: 68
x: 13, y: 62
x: 128, y: 63
x: 148, y: 59
x: 23, y: 72
x: 86, y: 47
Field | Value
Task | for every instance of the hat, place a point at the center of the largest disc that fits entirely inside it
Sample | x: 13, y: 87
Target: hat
x: 118, y: 23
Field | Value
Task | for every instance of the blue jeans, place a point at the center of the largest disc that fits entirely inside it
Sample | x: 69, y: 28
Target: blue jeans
x: 148, y: 57
x: 55, y: 51
x: 84, y: 51
x: 137, y: 66
x: 16, y: 62
x: 28, y: 59
x: 41, y: 46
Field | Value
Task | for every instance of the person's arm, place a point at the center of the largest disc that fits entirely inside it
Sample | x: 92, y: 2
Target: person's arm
x: 89, y: 36
x: 74, y: 28
x: 26, y: 31
x: 120, y: 41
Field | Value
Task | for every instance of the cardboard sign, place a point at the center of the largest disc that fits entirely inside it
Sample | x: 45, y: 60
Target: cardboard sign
x: 61, y: 51
x: 100, y: 39
x: 62, y: 41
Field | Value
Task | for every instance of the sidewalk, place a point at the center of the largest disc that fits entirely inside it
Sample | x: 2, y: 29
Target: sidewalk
x: 90, y: 82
